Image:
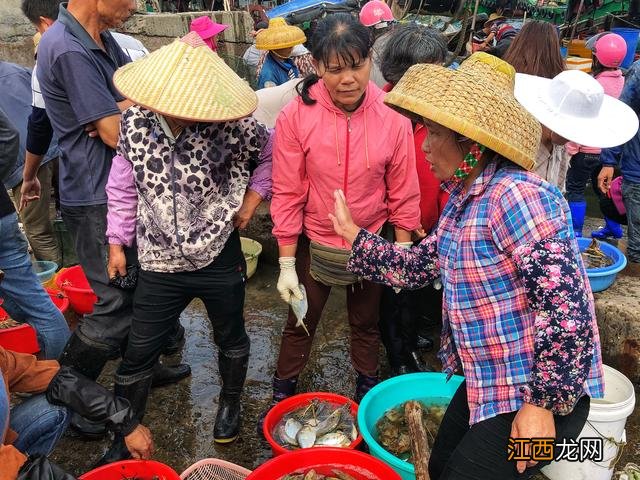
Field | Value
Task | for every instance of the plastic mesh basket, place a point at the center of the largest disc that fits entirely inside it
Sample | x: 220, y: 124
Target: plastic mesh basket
x: 214, y: 469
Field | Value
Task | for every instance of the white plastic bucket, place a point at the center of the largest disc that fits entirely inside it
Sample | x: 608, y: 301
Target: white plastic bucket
x: 607, y: 418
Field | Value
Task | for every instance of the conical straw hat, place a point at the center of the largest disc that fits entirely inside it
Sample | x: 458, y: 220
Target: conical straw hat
x: 187, y: 80
x: 279, y: 35
x: 476, y: 101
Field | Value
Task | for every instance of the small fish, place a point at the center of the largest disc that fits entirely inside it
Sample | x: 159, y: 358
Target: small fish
x: 311, y: 475
x: 343, y: 476
x: 300, y: 308
x: 330, y: 423
x: 286, y: 439
x: 306, y: 437
x: 291, y: 429
x: 333, y: 439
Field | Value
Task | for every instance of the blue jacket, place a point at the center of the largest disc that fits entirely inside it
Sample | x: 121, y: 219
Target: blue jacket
x: 277, y: 71
x: 15, y: 100
x: 628, y: 154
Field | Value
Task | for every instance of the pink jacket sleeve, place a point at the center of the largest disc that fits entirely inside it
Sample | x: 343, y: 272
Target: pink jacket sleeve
x: 403, y: 190
x: 290, y: 183
x: 122, y: 201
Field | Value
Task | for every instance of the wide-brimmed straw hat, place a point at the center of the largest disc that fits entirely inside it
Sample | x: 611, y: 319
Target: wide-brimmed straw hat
x: 207, y: 28
x: 279, y: 35
x: 187, y: 80
x: 493, y: 17
x: 476, y: 101
x: 573, y: 105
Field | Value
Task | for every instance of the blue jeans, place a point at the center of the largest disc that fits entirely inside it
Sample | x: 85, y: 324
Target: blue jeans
x: 631, y: 197
x: 25, y: 299
x: 39, y: 425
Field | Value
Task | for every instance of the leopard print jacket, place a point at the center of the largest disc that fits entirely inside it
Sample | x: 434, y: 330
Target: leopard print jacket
x: 188, y: 189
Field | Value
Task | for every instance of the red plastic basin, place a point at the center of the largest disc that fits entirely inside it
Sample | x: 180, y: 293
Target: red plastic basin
x: 21, y: 339
x: 140, y: 469
x: 297, y: 401
x: 324, y: 460
x: 59, y: 299
x: 73, y: 282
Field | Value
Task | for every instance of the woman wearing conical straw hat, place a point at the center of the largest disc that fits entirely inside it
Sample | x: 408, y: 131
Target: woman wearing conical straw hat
x: 191, y: 167
x: 279, y: 39
x: 518, y: 313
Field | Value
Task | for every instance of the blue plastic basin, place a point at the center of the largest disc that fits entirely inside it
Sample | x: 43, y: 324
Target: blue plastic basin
x: 426, y: 387
x: 45, y: 270
x: 602, y: 278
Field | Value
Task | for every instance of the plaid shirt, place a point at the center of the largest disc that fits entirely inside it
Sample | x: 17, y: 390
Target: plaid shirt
x: 518, y: 313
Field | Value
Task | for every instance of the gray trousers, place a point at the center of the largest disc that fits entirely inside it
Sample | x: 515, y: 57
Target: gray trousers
x: 108, y: 326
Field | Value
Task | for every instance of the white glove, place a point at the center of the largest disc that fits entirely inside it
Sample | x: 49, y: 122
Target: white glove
x: 406, y: 246
x: 288, y: 280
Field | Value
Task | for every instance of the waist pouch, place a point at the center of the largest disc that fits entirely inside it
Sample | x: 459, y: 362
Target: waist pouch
x: 329, y: 265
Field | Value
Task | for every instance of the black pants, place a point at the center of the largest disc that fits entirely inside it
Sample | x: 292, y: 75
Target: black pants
x: 579, y: 174
x: 405, y: 315
x: 160, y: 298
x: 107, y: 327
x: 480, y: 452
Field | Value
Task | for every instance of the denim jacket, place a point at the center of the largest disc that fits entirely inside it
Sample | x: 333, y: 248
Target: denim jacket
x: 277, y: 71
x: 628, y: 154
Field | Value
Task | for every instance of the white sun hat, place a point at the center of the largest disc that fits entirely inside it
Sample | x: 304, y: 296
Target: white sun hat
x: 573, y: 105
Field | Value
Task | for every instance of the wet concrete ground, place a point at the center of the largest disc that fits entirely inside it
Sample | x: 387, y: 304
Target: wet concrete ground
x: 181, y: 416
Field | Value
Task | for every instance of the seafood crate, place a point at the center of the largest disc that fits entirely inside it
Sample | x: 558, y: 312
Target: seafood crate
x: 325, y: 462
x: 214, y: 469
x: 286, y: 407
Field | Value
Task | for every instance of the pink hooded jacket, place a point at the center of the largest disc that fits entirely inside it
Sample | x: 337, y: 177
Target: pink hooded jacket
x: 318, y: 150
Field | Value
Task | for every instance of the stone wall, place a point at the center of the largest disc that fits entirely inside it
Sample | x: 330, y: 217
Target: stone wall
x: 154, y: 30
x: 618, y: 312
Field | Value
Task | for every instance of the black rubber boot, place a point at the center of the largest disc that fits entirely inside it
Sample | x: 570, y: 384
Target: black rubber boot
x: 400, y: 370
x: 175, y: 341
x: 282, y: 389
x: 137, y: 394
x: 424, y: 343
x: 233, y: 371
x: 88, y: 360
x: 419, y: 364
x: 166, y: 375
x: 364, y: 383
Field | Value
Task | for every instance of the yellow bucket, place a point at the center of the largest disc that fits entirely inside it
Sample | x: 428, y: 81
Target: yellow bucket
x: 251, y: 250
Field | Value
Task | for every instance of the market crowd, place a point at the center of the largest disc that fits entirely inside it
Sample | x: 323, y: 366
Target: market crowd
x: 435, y: 191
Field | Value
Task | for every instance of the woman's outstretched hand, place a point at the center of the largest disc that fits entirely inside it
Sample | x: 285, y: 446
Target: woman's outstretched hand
x: 341, y: 218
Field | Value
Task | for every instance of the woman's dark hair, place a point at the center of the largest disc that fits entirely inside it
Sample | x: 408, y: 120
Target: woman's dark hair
x: 337, y: 34
x: 408, y: 45
x: 536, y: 50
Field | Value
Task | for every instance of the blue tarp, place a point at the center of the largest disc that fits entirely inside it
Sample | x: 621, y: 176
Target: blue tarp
x: 295, y: 6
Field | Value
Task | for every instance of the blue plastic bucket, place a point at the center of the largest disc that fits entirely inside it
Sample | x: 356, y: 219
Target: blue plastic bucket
x: 602, y: 278
x: 426, y: 387
x: 45, y: 270
x: 630, y: 36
